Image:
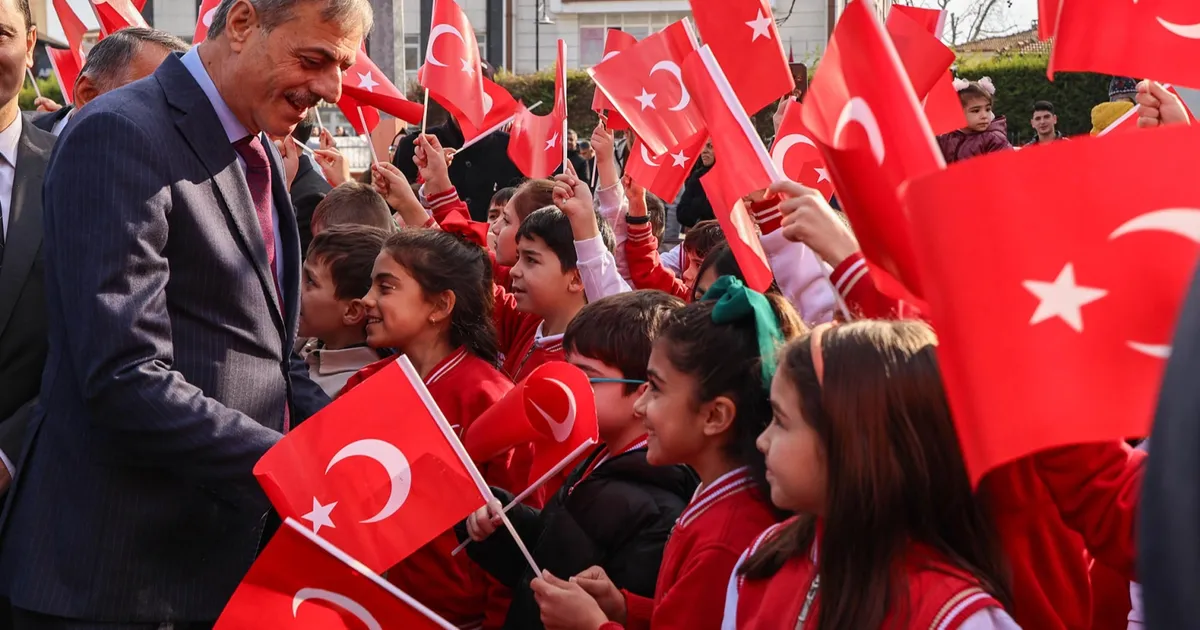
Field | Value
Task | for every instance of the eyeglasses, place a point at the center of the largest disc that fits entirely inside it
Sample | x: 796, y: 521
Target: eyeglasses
x: 627, y: 381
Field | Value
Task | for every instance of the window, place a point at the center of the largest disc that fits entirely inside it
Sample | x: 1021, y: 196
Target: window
x: 593, y: 28
x: 481, y: 39
x: 591, y: 44
x: 412, y: 51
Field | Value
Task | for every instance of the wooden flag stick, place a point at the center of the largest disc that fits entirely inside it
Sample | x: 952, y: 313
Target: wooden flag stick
x: 317, y: 113
x: 367, y: 132
x: 425, y: 112
x: 36, y: 90
x: 575, y: 454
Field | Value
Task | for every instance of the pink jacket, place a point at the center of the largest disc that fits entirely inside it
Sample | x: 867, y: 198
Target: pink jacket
x: 963, y: 144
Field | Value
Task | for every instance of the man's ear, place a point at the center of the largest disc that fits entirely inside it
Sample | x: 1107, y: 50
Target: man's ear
x: 241, y: 21
x: 85, y: 90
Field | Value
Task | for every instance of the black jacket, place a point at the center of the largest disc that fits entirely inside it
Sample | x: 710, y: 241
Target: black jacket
x: 307, y: 191
x: 477, y: 173
x: 46, y: 121
x: 693, y: 206
x: 618, y: 518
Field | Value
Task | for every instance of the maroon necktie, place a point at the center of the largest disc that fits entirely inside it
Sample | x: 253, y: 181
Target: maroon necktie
x: 258, y: 178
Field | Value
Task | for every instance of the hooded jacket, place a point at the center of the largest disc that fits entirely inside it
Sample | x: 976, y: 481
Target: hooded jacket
x: 962, y: 144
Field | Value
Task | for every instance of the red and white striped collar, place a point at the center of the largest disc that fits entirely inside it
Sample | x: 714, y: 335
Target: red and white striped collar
x: 446, y: 366
x: 725, y: 486
x: 552, y: 343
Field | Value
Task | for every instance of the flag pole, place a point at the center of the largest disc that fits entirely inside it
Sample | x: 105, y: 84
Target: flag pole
x: 575, y: 454
x: 595, y: 159
x: 36, y: 90
x: 425, y: 112
x: 367, y: 132
x: 317, y: 113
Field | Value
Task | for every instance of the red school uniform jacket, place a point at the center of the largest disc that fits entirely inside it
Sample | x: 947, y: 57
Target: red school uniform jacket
x: 940, y: 596
x: 718, y: 524
x: 645, y: 267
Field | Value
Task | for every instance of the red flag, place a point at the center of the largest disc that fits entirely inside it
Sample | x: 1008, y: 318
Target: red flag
x: 139, y: 5
x: 745, y: 40
x: 926, y: 59
x: 452, y: 70
x: 795, y: 154
x: 1136, y: 39
x: 735, y: 140
x: 499, y: 107
x: 114, y: 15
x: 740, y: 231
x: 1062, y: 289
x: 535, y: 143
x: 377, y: 484
x: 66, y: 70
x: 368, y: 85
x: 866, y: 119
x: 74, y: 29
x: 204, y: 19
x: 357, y: 114
x: 932, y: 21
x: 615, y: 42
x: 645, y: 84
x: 301, y: 582
x: 943, y: 109
x: 1128, y: 121
x: 664, y: 175
x: 1047, y: 18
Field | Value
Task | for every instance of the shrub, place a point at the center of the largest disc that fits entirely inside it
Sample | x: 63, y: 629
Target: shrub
x: 49, y: 88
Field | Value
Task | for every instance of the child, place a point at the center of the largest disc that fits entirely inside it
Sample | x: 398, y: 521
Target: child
x: 352, y: 203
x: 615, y: 510
x: 887, y: 534
x: 984, y: 132
x: 705, y: 404
x: 499, y: 200
x: 431, y: 300
x: 641, y: 250
x: 337, y: 274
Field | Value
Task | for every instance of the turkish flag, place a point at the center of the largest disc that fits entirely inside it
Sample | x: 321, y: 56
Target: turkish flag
x: 358, y: 114
x: 925, y: 58
x: 204, y: 19
x: 794, y: 148
x: 499, y: 107
x: 1063, y: 289
x: 530, y: 412
x: 114, y: 15
x: 664, y: 175
x: 864, y: 115
x: 1047, y: 18
x: 1128, y: 121
x: 66, y: 70
x: 1159, y: 39
x: 745, y: 40
x: 615, y: 42
x: 74, y: 29
x: 377, y: 484
x: 536, y: 144
x: 735, y: 140
x: 367, y: 84
x: 452, y: 70
x: 720, y: 184
x: 645, y: 84
x: 302, y: 582
x: 943, y: 109
x: 933, y: 21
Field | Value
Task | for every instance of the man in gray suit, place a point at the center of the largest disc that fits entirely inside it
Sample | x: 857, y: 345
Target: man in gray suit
x: 172, y: 286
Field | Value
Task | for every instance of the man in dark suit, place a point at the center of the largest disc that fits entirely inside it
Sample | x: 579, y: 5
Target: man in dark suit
x: 172, y: 288
x: 309, y: 187
x: 119, y: 59
x: 24, y: 152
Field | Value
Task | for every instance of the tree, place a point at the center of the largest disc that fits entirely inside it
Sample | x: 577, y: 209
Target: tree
x: 969, y: 20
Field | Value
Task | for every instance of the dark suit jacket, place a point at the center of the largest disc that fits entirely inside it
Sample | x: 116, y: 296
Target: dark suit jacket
x: 477, y: 172
x: 23, y: 292
x: 46, y: 121
x: 307, y: 191
x: 169, y: 368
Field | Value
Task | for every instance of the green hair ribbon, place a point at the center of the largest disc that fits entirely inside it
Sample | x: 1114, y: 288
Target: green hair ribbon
x: 736, y: 302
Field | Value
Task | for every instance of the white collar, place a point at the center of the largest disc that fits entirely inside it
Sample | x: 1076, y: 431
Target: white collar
x: 543, y: 341
x: 9, y: 138
x: 234, y: 129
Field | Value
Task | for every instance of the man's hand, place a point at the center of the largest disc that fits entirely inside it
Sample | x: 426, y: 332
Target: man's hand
x: 808, y: 219
x: 44, y: 104
x: 1159, y: 107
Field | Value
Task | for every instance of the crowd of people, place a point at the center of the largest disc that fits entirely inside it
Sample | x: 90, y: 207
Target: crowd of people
x: 182, y: 283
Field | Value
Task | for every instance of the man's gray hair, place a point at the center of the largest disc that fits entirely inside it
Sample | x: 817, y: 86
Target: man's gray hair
x: 108, y: 62
x: 272, y: 13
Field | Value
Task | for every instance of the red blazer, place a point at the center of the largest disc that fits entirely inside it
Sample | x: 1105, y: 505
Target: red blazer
x: 646, y: 270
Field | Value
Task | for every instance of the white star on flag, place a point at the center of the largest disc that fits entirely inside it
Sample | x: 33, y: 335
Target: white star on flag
x: 822, y: 175
x: 679, y: 159
x: 319, y: 516
x: 552, y: 141
x: 366, y: 81
x: 1062, y: 298
x: 468, y: 67
x: 646, y: 99
x: 761, y: 26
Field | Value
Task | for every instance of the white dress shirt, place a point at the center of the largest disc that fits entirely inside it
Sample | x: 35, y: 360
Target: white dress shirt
x: 62, y: 123
x: 8, y: 173
x: 235, y: 131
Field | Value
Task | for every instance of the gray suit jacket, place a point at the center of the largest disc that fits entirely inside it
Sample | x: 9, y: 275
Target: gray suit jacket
x: 169, y: 366
x: 23, y: 292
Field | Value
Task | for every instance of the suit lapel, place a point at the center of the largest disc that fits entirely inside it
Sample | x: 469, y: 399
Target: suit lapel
x: 24, y: 237
x: 287, y: 250
x: 198, y: 123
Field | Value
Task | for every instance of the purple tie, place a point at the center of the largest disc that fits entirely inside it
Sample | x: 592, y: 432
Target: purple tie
x: 258, y: 178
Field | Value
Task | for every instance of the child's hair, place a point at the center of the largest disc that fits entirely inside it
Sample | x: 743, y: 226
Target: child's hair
x: 554, y: 228
x: 607, y: 236
x: 534, y: 194
x: 657, y: 211
x: 703, y: 238
x: 353, y: 203
x: 349, y: 251
x: 895, y: 472
x: 501, y: 197
x: 971, y: 90
x: 721, y: 259
x: 440, y: 261
x: 620, y: 330
x: 725, y: 360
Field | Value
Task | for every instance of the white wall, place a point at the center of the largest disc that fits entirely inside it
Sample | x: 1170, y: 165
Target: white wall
x: 177, y: 17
